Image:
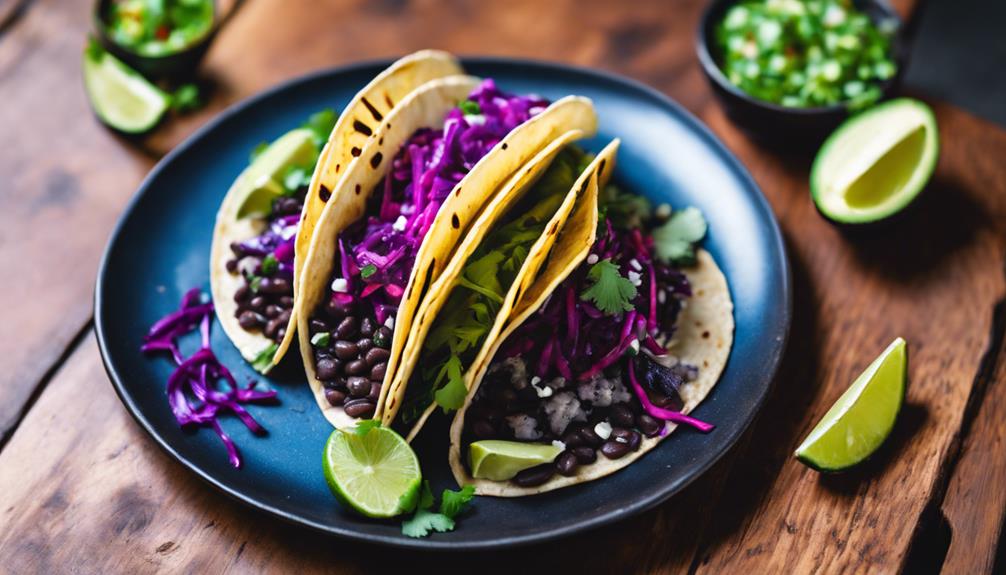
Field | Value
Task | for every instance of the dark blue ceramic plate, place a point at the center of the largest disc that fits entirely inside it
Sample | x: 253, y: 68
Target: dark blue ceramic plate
x: 161, y: 247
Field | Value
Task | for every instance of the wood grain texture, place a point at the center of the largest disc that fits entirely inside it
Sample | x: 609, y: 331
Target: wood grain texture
x: 82, y: 489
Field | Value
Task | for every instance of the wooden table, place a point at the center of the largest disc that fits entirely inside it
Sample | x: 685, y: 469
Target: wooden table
x: 82, y: 489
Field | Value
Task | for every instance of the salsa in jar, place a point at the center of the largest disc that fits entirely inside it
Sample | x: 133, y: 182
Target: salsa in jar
x: 158, y: 27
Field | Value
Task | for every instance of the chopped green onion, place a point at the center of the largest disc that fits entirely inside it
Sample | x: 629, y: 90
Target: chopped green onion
x: 321, y: 339
x: 368, y: 270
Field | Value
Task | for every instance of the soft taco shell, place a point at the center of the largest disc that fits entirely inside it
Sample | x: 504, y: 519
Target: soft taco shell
x: 703, y: 338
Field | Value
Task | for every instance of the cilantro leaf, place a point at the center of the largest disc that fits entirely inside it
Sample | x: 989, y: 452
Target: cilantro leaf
x: 425, y: 496
x: 674, y: 241
x: 363, y: 427
x: 94, y: 50
x: 263, y: 361
x: 625, y: 210
x: 610, y: 292
x: 424, y: 522
x: 255, y: 283
x: 269, y: 265
x: 257, y: 151
x: 186, y: 98
x: 470, y: 107
x: 321, y: 124
x: 368, y: 270
x: 452, y: 395
x: 453, y: 503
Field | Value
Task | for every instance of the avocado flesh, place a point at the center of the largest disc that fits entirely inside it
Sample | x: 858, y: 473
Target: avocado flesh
x: 260, y: 181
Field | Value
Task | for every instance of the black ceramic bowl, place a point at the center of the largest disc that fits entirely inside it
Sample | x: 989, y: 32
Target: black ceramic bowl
x: 771, y: 123
x: 174, y: 66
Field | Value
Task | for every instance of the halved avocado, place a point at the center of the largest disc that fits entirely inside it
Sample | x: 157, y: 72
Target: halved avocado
x: 122, y: 98
x: 875, y: 163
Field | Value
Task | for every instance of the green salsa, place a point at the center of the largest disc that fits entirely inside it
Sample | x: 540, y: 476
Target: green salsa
x: 805, y: 53
x: 158, y: 27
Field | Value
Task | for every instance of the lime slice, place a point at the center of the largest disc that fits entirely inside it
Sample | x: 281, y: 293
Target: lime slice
x: 121, y: 97
x: 260, y: 181
x: 376, y: 473
x: 862, y: 418
x: 500, y: 460
x: 875, y: 163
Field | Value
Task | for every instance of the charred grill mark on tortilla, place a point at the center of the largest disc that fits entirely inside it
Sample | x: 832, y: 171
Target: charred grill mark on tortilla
x: 362, y: 128
x: 358, y: 189
x: 324, y: 193
x: 376, y: 160
x: 373, y: 111
x: 389, y: 102
x: 455, y: 222
x: 356, y: 152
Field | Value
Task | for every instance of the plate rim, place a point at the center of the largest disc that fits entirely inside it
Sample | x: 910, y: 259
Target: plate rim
x: 434, y: 544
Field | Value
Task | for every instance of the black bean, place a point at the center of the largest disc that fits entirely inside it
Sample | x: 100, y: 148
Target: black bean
x: 242, y: 294
x: 346, y: 350
x: 286, y: 301
x: 378, y: 372
x: 585, y: 455
x: 250, y: 320
x: 335, y: 397
x: 358, y: 386
x: 367, y: 327
x: 627, y: 436
x: 483, y: 429
x: 272, y: 311
x: 286, y: 206
x: 661, y: 400
x: 535, y: 475
x: 328, y: 368
x: 277, y: 286
x: 284, y: 316
x: 365, y: 345
x: 590, y: 438
x: 257, y: 303
x: 566, y: 463
x: 375, y: 390
x: 621, y: 416
x: 382, y: 337
x: 338, y: 383
x: 648, y: 424
x: 347, y: 328
x: 336, y: 309
x: 280, y: 333
x: 318, y: 325
x: 572, y: 438
x: 237, y: 249
x: 356, y: 367
x: 615, y: 450
x: 377, y: 355
x: 360, y: 408
x: 272, y: 327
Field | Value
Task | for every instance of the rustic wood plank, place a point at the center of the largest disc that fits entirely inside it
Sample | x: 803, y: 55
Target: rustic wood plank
x: 975, y: 504
x: 82, y: 485
x: 932, y: 278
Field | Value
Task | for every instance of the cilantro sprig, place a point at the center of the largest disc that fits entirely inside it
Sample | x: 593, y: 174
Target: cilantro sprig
x: 426, y: 521
x: 675, y: 241
x: 609, y: 291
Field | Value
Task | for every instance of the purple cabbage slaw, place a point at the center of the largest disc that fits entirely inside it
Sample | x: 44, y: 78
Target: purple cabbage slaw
x: 278, y: 240
x: 377, y: 253
x: 570, y: 335
x: 199, y: 374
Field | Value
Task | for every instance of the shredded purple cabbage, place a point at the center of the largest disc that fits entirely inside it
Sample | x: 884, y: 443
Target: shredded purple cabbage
x: 199, y: 374
x: 278, y: 240
x: 377, y: 253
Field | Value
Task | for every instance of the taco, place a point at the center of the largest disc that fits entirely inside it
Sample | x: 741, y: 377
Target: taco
x: 391, y: 226
x: 266, y: 220
x: 624, y: 331
x: 470, y: 303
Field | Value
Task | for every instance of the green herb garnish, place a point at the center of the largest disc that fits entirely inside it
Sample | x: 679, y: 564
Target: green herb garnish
x: 425, y: 521
x: 626, y: 211
x: 364, y: 426
x: 321, y: 339
x: 255, y: 284
x: 610, y: 291
x: 296, y: 177
x: 257, y: 151
x: 674, y: 242
x: 368, y: 270
x: 94, y: 50
x: 186, y: 98
x: 470, y: 108
x: 269, y: 265
x: 321, y: 124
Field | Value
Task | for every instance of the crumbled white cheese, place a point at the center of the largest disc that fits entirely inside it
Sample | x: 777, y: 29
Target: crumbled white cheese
x: 663, y: 211
x: 399, y: 225
x: 535, y: 380
x: 634, y: 346
x: 558, y: 444
x: 475, y: 119
x: 543, y: 392
x: 636, y: 265
x: 288, y: 232
x: 592, y: 259
x: 635, y: 278
x: 340, y: 285
x: 661, y: 297
x: 603, y: 430
x: 390, y: 322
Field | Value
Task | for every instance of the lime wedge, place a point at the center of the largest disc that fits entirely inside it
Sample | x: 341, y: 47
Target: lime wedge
x: 121, y: 97
x: 376, y: 473
x: 875, y: 163
x: 500, y: 460
x: 862, y: 418
x: 260, y: 181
